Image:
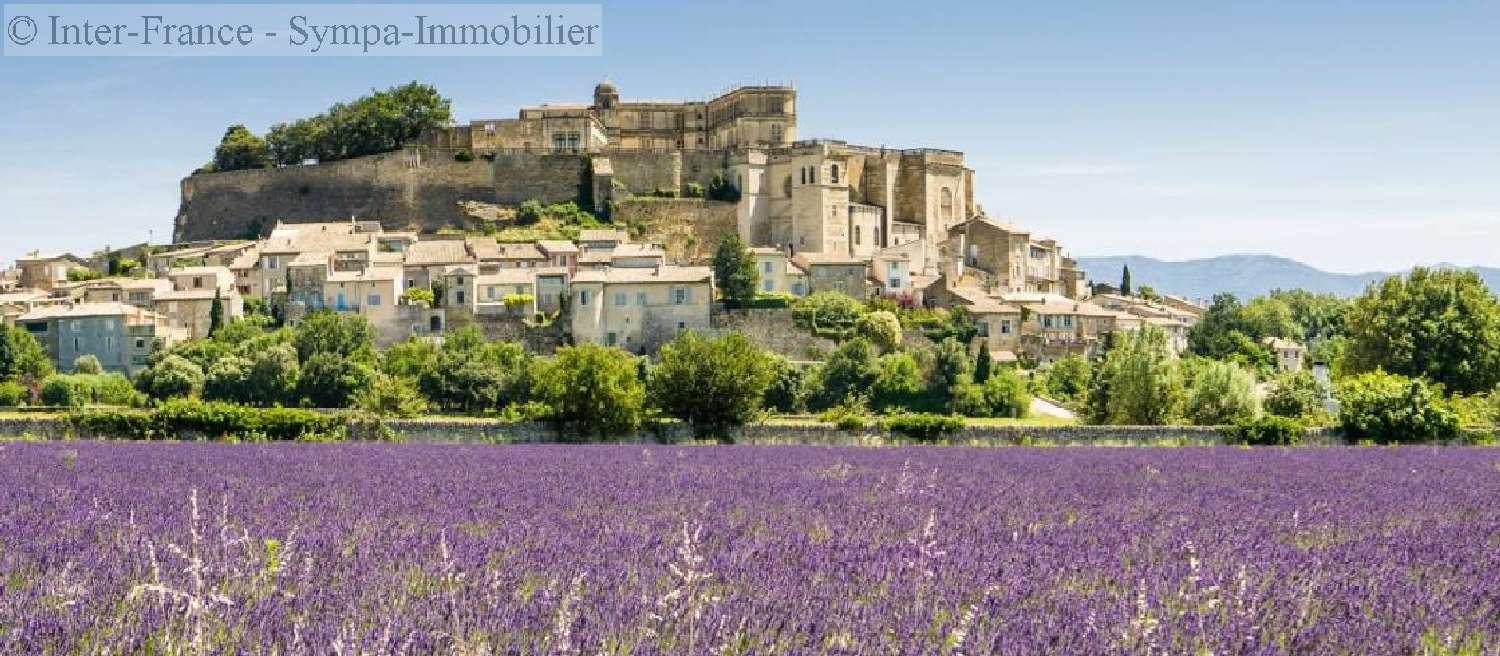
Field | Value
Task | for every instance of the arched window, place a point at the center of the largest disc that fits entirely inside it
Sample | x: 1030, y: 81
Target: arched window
x: 835, y: 177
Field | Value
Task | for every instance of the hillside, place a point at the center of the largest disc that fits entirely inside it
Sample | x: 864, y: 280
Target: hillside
x: 1245, y: 275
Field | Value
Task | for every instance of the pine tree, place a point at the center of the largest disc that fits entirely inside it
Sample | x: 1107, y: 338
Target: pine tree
x: 1125, y: 281
x: 982, y: 364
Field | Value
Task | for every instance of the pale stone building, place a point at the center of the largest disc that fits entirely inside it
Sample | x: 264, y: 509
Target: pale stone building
x: 1289, y: 354
x: 638, y: 309
x: 121, y: 336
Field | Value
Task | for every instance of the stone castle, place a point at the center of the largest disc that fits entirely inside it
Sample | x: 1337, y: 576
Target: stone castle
x: 818, y: 197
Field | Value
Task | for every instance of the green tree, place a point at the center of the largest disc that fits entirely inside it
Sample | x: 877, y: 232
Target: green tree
x: 952, y: 364
x: 472, y: 375
x: 1222, y: 394
x: 1138, y: 383
x: 216, y: 313
x: 591, y: 389
x: 721, y: 189
x: 1442, y: 325
x: 1295, y: 396
x: 1228, y: 332
x: 391, y: 396
x: 882, y: 328
x: 273, y: 375
x: 734, y: 269
x: 983, y: 363
x: 411, y: 358
x: 900, y: 383
x: 1125, y: 280
x: 1391, y: 408
x: 174, y: 376
x: 712, y: 384
x: 331, y: 381
x: 346, y: 336
x: 22, y: 357
x: 241, y: 149
x: 850, y: 371
x: 1005, y: 394
x: 784, y: 394
x: 1320, y: 316
x: 380, y: 122
x: 228, y: 380
x: 1067, y: 379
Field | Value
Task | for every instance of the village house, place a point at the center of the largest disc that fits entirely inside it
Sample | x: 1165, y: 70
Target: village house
x: 121, y: 336
x: 834, y: 273
x: 639, y: 308
x: 140, y: 292
x: 46, y: 272
x: 1289, y: 354
x: 189, y: 303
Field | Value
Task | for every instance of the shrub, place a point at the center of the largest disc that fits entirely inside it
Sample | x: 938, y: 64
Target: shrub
x: 784, y: 393
x: 882, y: 328
x: 1390, y: 408
x: 850, y: 371
x: 391, y: 396
x: 419, y: 296
x: 61, y: 391
x: 331, y: 381
x: 1068, y: 378
x: 1138, y: 383
x: 173, y: 377
x: 1295, y: 395
x: 827, y: 313
x: 1005, y: 394
x: 214, y: 420
x: 13, y: 394
x: 923, y: 426
x: 771, y: 300
x: 693, y: 190
x: 1267, y: 430
x: 1473, y: 411
x: 849, y: 416
x: 87, y: 364
x: 1222, y: 394
x: 463, y: 155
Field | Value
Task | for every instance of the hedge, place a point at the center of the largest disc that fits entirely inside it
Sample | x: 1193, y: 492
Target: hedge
x: 212, y: 420
x: 1267, y: 430
x: 923, y: 426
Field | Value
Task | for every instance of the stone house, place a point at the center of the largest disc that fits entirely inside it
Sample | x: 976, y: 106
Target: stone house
x: 121, y: 336
x: 636, y: 308
x: 1289, y: 354
x: 189, y: 304
x: 840, y: 273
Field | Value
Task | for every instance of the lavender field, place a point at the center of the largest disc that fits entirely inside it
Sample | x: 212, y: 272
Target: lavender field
x: 385, y: 549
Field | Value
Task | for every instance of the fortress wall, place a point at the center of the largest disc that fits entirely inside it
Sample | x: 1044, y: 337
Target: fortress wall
x: 689, y: 227
x: 548, y: 178
x: 390, y: 188
x: 700, y: 166
x: 644, y: 172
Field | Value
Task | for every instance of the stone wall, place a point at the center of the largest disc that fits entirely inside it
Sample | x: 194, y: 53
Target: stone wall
x: 496, y: 431
x: 773, y: 329
x: 402, y: 190
x: 549, y: 178
x: 644, y: 172
x: 689, y: 227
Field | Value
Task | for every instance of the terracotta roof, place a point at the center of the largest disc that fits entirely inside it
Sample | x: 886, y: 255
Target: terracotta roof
x: 1279, y: 343
x: 638, y: 250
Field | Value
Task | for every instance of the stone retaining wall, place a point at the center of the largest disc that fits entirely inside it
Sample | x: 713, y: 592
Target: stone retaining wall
x: 506, y: 432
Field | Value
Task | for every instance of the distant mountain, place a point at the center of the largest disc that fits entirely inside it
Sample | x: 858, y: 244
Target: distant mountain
x: 1244, y: 275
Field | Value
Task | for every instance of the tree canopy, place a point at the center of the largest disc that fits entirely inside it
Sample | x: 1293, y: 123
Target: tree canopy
x: 734, y: 269
x: 1443, y: 325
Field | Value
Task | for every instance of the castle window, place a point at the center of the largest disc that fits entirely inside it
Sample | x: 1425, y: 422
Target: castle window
x: 947, y: 204
x: 835, y: 177
x: 803, y: 171
x: 776, y: 133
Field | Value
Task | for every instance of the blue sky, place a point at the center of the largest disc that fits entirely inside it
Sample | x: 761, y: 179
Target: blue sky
x: 1351, y: 135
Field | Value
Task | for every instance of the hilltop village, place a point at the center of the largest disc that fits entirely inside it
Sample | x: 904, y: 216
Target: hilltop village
x: 662, y: 185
